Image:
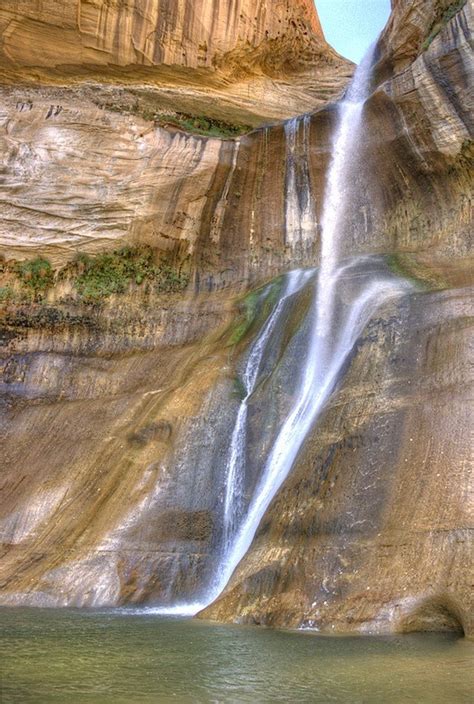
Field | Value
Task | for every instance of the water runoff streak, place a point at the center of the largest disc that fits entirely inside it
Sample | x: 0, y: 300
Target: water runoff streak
x: 234, y: 505
x: 300, y: 219
x: 334, y: 328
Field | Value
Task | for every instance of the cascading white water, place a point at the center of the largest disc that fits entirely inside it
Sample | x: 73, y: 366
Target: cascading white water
x: 335, y: 327
x: 343, y: 159
x: 234, y: 503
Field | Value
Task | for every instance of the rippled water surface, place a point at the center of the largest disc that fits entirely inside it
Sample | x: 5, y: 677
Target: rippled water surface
x: 101, y: 657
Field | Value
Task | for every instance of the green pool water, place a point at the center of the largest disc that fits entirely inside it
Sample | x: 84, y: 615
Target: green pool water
x: 119, y: 657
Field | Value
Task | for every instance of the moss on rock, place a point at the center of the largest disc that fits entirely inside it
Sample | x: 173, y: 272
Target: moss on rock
x: 93, y: 278
x: 442, y: 17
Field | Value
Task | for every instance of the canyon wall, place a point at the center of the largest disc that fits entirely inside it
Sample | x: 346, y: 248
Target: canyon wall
x: 232, y: 60
x: 92, y: 153
x: 77, y: 34
x: 372, y: 531
x: 116, y: 418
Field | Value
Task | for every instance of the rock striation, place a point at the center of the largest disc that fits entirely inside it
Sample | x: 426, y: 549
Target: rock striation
x: 234, y: 60
x: 372, y: 531
x: 88, y: 90
x: 116, y: 418
x: 85, y: 33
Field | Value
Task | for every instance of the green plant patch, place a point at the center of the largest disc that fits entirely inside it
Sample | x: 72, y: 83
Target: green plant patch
x: 169, y: 280
x: 273, y: 294
x: 248, y: 314
x: 111, y: 273
x: 33, y: 316
x: 406, y: 266
x: 255, y: 306
x: 94, y: 278
x: 239, y: 391
x: 37, y: 275
x: 6, y: 294
x: 442, y: 17
x: 197, y: 124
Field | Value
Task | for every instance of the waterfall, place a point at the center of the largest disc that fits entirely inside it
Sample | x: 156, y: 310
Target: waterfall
x: 347, y: 137
x: 234, y: 504
x: 334, y: 326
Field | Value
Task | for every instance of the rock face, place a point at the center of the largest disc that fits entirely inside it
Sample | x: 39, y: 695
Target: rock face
x: 87, y: 147
x: 372, y: 530
x: 214, y: 204
x: 203, y: 34
x: 233, y: 60
x: 116, y: 419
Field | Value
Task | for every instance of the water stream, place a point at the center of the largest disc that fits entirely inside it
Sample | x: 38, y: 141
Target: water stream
x: 234, y: 500
x: 334, y: 326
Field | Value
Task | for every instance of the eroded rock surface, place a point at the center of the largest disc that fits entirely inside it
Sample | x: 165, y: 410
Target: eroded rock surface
x: 372, y: 530
x: 88, y: 88
x: 377, y: 532
x: 233, y: 60
x: 116, y: 419
x: 77, y: 33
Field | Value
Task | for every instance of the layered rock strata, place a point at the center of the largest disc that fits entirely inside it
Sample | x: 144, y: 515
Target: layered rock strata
x: 91, y: 33
x: 117, y: 419
x: 372, y: 531
x: 236, y: 61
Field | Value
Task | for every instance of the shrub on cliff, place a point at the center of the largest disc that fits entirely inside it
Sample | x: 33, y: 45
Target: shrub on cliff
x: 113, y: 272
x: 37, y: 275
x: 6, y: 294
x: 169, y: 280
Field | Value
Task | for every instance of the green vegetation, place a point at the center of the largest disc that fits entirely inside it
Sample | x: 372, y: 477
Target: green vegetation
x: 6, y: 294
x: 255, y: 305
x: 37, y: 275
x: 249, y: 309
x: 112, y: 273
x: 202, y: 125
x: 239, y: 390
x: 45, y: 316
x: 197, y: 124
x: 442, y: 17
x: 406, y: 266
x: 396, y: 266
x: 273, y: 293
x: 94, y: 278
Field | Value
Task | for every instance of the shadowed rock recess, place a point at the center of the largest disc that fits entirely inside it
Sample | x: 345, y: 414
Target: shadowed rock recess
x: 151, y: 199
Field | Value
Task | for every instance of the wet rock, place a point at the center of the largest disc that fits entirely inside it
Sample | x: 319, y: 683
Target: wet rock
x: 117, y: 419
x: 371, y: 529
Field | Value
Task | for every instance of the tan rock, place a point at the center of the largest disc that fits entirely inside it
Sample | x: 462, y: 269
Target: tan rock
x: 117, y: 419
x: 77, y: 33
x: 191, y: 56
x: 371, y: 531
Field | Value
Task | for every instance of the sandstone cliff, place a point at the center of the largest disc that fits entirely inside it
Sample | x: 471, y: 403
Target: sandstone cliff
x: 117, y: 417
x: 91, y: 33
x: 231, y: 60
x: 92, y: 96
x: 372, y: 530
